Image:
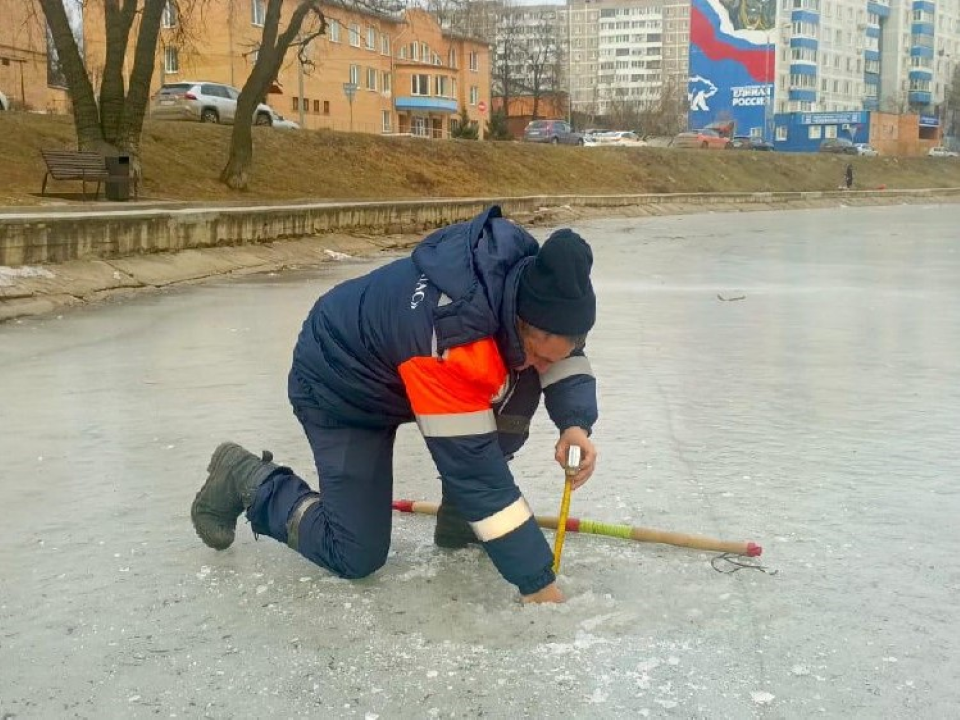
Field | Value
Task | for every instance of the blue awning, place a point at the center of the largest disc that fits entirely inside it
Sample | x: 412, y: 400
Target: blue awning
x: 426, y: 103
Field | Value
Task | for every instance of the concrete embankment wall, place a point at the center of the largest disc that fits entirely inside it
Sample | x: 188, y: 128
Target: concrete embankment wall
x: 53, y: 258
x: 39, y: 238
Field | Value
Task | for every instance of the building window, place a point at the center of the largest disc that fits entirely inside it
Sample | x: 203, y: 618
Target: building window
x: 371, y: 38
x: 402, y: 53
x: 419, y: 126
x: 781, y: 133
x: 316, y: 106
x: 440, y: 83
x: 171, y: 60
x: 354, y: 35
x: 355, y: 74
x: 334, y: 29
x: 452, y: 61
x: 425, y: 52
x: 414, y: 51
x: 830, y: 131
x: 258, y: 12
x: 169, y: 15
x: 474, y: 61
x: 384, y: 44
x: 387, y: 121
x: 420, y: 85
x: 296, y: 103
x: 474, y: 94
x: 814, y: 132
x: 371, y: 78
x: 386, y: 83
x: 326, y: 107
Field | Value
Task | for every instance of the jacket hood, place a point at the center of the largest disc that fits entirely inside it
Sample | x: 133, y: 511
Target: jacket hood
x: 476, y: 265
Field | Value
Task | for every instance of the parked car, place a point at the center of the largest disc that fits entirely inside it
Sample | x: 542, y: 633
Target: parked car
x: 552, y: 131
x: 866, y: 150
x: 838, y: 145
x: 747, y: 142
x: 4, y: 103
x: 281, y: 123
x: 942, y: 152
x: 622, y: 138
x: 203, y: 101
x: 705, y: 139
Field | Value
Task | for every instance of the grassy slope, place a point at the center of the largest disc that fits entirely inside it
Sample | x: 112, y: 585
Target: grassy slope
x: 182, y: 161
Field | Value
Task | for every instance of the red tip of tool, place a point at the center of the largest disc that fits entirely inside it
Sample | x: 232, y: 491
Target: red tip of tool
x: 403, y: 505
x: 573, y: 524
x: 754, y: 550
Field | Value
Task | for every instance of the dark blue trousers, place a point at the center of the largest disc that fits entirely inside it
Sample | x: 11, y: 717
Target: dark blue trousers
x: 348, y: 530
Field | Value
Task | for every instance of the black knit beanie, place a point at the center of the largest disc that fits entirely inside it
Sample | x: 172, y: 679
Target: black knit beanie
x: 555, y: 293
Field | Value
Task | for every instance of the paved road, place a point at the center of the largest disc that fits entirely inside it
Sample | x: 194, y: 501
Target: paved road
x: 817, y: 415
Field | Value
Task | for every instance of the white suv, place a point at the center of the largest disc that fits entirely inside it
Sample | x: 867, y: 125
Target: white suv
x: 4, y: 103
x: 942, y: 152
x: 203, y: 101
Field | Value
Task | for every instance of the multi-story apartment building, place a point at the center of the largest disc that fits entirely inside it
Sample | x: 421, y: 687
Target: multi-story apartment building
x: 825, y: 68
x: 28, y: 76
x: 625, y: 51
x: 369, y: 72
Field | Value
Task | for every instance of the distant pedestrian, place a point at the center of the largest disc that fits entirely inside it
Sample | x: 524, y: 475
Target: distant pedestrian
x: 848, y: 176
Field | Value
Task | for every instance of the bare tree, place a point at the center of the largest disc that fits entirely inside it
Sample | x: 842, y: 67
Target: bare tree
x: 508, y: 55
x: 542, y: 53
x: 667, y: 114
x: 306, y: 22
x: 111, y: 121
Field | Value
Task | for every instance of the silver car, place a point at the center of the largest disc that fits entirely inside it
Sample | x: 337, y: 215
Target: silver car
x: 204, y: 102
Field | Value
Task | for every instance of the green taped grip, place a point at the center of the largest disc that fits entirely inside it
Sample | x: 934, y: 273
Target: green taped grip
x: 598, y: 528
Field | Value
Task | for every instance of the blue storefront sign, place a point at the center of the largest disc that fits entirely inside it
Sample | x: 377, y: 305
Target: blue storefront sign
x: 732, y: 64
x: 803, y: 132
x: 929, y: 121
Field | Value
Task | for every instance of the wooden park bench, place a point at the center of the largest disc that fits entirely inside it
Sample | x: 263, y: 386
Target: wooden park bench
x: 78, y: 165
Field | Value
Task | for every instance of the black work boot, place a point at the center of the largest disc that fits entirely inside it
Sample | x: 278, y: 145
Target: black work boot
x: 234, y: 476
x: 452, y: 530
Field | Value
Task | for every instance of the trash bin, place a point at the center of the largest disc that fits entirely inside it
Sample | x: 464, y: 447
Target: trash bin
x: 118, y: 182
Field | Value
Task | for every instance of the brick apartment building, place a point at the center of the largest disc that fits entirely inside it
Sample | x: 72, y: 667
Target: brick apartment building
x: 23, y: 60
x: 408, y: 75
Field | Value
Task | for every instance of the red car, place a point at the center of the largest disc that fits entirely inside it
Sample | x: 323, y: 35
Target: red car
x: 705, y: 139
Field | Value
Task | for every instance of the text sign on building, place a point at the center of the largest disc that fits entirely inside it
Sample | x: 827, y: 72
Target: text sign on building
x: 929, y: 121
x: 833, y: 118
x: 732, y: 62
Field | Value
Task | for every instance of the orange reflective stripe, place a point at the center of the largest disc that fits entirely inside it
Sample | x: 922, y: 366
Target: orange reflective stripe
x: 465, y: 380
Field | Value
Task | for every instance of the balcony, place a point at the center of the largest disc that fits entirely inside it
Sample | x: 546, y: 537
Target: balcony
x: 798, y: 95
x: 920, y: 97
x: 426, y: 103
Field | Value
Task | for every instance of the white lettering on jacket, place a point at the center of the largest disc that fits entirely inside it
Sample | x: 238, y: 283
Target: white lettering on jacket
x: 419, y: 292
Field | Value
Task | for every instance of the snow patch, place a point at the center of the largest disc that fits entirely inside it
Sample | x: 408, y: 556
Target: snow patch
x: 9, y: 274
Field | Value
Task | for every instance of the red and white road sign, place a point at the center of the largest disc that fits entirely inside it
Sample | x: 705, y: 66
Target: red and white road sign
x: 482, y: 106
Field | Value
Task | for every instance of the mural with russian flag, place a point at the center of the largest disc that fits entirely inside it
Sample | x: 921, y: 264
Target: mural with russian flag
x: 732, y: 64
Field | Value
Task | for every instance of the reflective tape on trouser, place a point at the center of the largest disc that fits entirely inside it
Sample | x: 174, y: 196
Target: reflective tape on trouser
x: 293, y: 524
x: 575, y: 365
x: 503, y: 522
x: 457, y: 424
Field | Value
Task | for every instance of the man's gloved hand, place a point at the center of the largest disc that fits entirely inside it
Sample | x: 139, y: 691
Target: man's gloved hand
x: 576, y: 436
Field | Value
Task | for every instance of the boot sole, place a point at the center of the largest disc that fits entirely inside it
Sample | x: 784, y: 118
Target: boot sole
x: 217, y: 461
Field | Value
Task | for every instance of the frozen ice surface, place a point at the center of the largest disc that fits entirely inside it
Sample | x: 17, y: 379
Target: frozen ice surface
x: 817, y: 416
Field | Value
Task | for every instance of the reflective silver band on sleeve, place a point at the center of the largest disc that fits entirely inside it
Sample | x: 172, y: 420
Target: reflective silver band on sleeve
x: 503, y: 522
x: 457, y: 424
x: 575, y: 365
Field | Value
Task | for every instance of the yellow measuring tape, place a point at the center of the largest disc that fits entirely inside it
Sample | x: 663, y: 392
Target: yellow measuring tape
x: 571, y: 469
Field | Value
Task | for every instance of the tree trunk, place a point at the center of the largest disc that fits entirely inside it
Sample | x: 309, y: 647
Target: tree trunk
x: 86, y: 116
x: 236, y: 172
x: 273, y: 48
